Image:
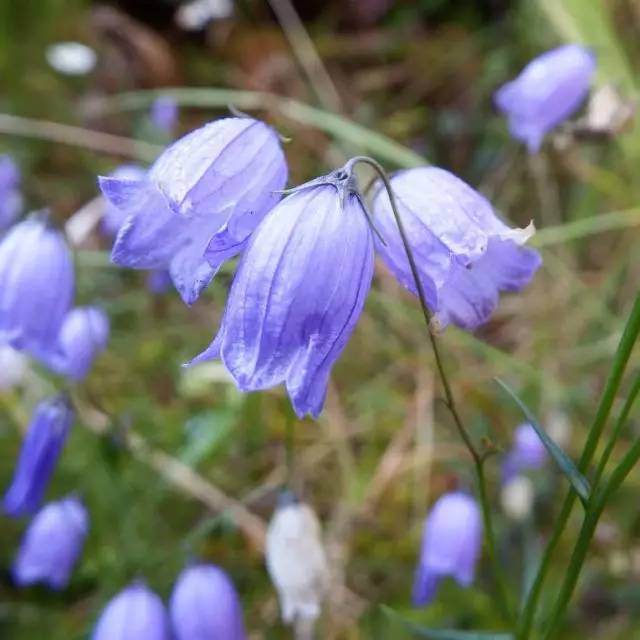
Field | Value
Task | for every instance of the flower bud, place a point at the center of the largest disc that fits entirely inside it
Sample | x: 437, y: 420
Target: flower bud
x: 40, y: 451
x: 451, y: 543
x: 52, y: 544
x: 36, y: 272
x: 134, y: 614
x: 296, y: 561
x: 204, y: 605
x: 84, y: 334
x: 516, y: 498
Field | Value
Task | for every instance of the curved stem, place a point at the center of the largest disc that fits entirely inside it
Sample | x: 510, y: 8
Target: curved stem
x: 623, y: 353
x: 478, y: 459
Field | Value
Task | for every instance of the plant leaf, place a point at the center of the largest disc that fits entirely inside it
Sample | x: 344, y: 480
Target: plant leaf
x: 579, y: 483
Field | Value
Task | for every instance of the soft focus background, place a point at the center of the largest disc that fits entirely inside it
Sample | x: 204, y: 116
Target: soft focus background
x: 175, y: 463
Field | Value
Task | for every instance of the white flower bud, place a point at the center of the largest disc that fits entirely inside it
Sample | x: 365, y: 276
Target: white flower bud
x: 296, y: 561
x: 517, y: 498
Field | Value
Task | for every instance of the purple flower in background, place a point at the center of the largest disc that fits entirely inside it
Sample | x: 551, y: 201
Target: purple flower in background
x: 84, y: 334
x: 158, y: 281
x: 547, y: 91
x: 40, y: 451
x: 298, y: 293
x: 113, y: 217
x: 164, y: 113
x: 464, y: 253
x: 451, y: 542
x: 204, y: 605
x: 10, y: 194
x: 52, y: 544
x: 207, y: 191
x: 528, y: 453
x: 134, y: 614
x: 36, y: 272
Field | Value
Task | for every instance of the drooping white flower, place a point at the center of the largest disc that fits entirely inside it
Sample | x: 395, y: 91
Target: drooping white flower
x: 296, y: 560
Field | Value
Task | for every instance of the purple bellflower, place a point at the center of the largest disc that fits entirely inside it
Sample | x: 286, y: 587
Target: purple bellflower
x: 465, y: 254
x: 52, y: 544
x: 40, y: 451
x: 204, y: 605
x: 84, y: 334
x: 451, y: 543
x: 158, y: 281
x: 164, y: 113
x: 113, y: 217
x: 136, y: 613
x: 547, y: 91
x: 36, y: 272
x: 298, y: 292
x: 528, y: 453
x: 207, y: 191
x: 10, y: 194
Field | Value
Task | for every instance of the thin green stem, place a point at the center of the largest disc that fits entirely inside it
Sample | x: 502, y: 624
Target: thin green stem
x: 623, y: 353
x: 478, y: 460
x: 587, y: 530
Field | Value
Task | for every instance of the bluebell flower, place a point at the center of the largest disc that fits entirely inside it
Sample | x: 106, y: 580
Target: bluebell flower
x: 43, y: 443
x: 52, y: 544
x: 528, y: 453
x: 465, y: 254
x: 547, y: 91
x: 84, y: 334
x: 36, y: 272
x: 158, y: 281
x: 10, y: 194
x: 164, y: 113
x: 207, y: 191
x: 204, y: 604
x: 298, y: 292
x: 451, y: 543
x: 114, y: 217
x: 136, y: 613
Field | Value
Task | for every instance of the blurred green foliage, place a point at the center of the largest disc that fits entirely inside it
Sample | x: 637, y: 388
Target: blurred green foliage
x: 422, y: 75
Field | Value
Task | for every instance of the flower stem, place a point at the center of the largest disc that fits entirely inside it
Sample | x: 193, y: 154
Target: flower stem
x: 478, y: 459
x: 621, y: 358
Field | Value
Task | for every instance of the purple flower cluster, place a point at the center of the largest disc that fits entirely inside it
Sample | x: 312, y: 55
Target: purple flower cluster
x: 204, y: 605
x: 528, y: 453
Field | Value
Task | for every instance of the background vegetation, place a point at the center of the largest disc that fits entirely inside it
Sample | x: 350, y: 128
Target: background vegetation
x: 174, y: 463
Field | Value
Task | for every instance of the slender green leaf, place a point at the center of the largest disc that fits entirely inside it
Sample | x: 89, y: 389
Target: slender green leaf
x: 567, y: 466
x: 420, y: 631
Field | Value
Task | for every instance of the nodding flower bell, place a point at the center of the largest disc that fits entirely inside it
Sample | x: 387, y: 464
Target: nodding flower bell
x: 84, y: 334
x: 465, y: 255
x: 204, y: 604
x: 547, y: 91
x: 164, y: 113
x: 52, y: 544
x: 451, y: 543
x: 113, y: 217
x: 527, y: 453
x: 296, y: 560
x: 10, y: 194
x: 36, y: 272
x: 40, y: 451
x: 298, y: 292
x: 136, y: 613
x: 207, y: 191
